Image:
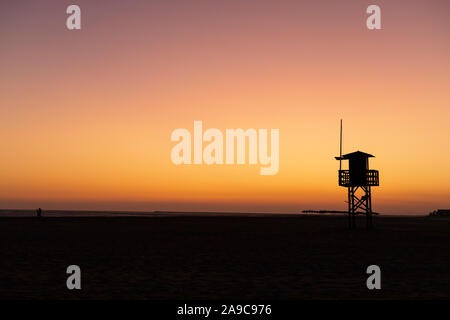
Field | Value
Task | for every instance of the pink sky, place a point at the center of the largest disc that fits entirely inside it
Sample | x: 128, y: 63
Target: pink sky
x: 86, y: 116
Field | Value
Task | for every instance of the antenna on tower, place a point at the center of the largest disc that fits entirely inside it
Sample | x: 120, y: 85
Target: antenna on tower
x: 340, y: 149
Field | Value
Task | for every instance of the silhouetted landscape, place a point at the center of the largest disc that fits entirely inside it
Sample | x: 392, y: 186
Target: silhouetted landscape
x: 232, y: 256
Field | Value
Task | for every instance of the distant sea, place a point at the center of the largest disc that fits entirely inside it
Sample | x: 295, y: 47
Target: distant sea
x: 89, y: 213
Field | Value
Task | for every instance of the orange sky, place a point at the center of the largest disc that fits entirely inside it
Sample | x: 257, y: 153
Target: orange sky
x: 86, y: 116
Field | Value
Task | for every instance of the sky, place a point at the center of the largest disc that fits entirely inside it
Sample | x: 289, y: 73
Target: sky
x: 86, y: 115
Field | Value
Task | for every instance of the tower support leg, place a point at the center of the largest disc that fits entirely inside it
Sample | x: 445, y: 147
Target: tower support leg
x: 364, y: 202
x: 369, y: 207
x: 350, y: 207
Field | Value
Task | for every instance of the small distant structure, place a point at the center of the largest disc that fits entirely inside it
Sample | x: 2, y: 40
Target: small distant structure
x: 440, y: 213
x: 331, y: 211
x: 358, y: 177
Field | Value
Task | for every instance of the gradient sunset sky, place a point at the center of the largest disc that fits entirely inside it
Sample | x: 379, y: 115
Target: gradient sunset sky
x: 86, y: 115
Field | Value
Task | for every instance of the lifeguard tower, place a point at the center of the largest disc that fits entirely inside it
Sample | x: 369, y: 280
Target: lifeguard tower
x: 358, y: 177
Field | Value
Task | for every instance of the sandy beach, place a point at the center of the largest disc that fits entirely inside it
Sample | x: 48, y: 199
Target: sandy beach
x: 223, y: 257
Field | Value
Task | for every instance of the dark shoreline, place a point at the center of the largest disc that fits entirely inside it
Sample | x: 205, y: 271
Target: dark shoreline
x: 159, y: 213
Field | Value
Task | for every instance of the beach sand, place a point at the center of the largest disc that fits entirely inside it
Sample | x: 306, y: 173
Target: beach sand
x: 223, y: 257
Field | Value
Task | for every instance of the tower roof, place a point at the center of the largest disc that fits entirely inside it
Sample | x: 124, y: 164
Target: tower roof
x: 355, y: 155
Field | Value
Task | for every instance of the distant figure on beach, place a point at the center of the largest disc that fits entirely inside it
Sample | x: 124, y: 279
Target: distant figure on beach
x: 39, y: 212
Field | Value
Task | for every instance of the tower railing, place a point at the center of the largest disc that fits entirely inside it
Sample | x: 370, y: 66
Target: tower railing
x: 371, y: 179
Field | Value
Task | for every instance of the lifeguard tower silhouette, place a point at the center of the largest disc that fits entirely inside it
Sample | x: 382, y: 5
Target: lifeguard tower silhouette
x: 358, y: 177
